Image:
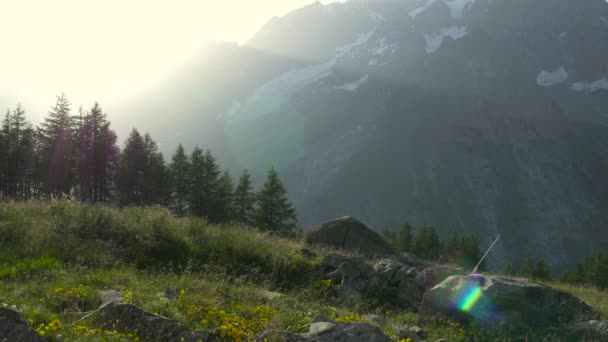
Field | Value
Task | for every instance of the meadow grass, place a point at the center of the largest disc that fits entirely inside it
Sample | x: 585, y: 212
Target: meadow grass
x: 236, y: 281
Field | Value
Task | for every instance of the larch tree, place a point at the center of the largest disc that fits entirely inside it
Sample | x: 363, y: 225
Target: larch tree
x: 274, y: 212
x: 244, y: 201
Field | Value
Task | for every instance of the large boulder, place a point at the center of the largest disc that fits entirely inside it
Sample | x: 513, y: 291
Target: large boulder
x: 323, y: 329
x: 387, y: 281
x: 13, y: 327
x: 348, y: 233
x: 434, y: 275
x: 494, y: 302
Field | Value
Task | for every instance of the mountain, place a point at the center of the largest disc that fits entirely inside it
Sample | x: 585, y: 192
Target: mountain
x: 482, y: 116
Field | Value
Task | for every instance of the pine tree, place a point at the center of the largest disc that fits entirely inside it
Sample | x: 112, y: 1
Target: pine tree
x: 426, y: 243
x: 56, y: 170
x: 97, y: 156
x: 204, y: 176
x: 405, y: 238
x: 197, y: 195
x: 179, y: 171
x: 131, y: 171
x: 4, y: 148
x: 471, y: 253
x: 244, y: 201
x: 224, y: 203
x: 155, y: 176
x: 274, y: 212
x: 541, y: 270
x: 527, y: 269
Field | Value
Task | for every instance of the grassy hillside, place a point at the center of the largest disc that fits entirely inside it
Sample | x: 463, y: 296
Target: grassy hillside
x: 55, y: 257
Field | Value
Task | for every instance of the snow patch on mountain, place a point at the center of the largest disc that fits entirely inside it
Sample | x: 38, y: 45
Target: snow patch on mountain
x: 551, y: 78
x: 590, y: 87
x: 435, y: 40
x: 457, y: 8
x: 354, y: 85
x: 275, y: 94
x: 350, y: 48
x: 415, y: 12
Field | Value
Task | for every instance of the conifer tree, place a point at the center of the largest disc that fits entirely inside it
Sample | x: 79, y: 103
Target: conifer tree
x: 405, y: 238
x: 244, y: 201
x: 56, y: 169
x: 274, y: 212
x: 197, y: 195
x: 131, y: 171
x: 204, y: 176
x: 4, y: 148
x: 155, y: 176
x: 224, y: 203
x: 97, y: 156
x: 179, y: 171
x: 426, y: 243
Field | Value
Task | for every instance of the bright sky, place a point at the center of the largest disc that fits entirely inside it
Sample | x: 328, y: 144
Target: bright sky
x: 107, y: 50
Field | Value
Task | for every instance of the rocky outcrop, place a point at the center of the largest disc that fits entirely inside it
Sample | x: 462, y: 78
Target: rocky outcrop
x: 13, y: 327
x: 387, y: 280
x: 348, y: 233
x: 114, y: 314
x: 505, y: 303
x: 323, y: 329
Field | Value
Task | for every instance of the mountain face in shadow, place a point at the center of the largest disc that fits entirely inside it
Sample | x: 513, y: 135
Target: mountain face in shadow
x: 481, y: 116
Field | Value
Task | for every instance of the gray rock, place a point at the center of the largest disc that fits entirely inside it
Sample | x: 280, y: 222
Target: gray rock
x: 170, y: 293
x: 589, y: 329
x: 434, y: 275
x: 389, y: 278
x: 110, y: 296
x: 416, y: 334
x: 411, y: 259
x: 130, y: 318
x: 348, y: 233
x: 13, y: 327
x: 198, y: 335
x: 504, y: 303
x: 323, y: 329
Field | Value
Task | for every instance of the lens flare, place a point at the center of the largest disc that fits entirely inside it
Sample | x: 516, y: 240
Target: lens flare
x: 470, y: 298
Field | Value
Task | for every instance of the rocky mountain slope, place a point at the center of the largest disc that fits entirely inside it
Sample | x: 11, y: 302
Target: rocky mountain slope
x: 484, y: 116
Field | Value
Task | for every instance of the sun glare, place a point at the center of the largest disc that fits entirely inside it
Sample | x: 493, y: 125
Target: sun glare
x: 107, y: 50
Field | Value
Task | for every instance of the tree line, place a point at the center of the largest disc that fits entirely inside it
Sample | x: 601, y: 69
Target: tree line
x: 77, y: 154
x: 425, y: 243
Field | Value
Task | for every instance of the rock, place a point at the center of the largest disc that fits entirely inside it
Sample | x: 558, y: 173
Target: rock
x: 376, y: 319
x: 388, y: 278
x: 13, y: 327
x: 110, y: 296
x: 434, y: 275
x: 504, y: 303
x: 198, y: 335
x: 348, y: 233
x: 411, y: 259
x: 347, y: 271
x: 589, y: 329
x: 323, y: 329
x: 442, y: 340
x: 278, y: 336
x: 130, y: 318
x: 170, y: 293
x: 415, y: 334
